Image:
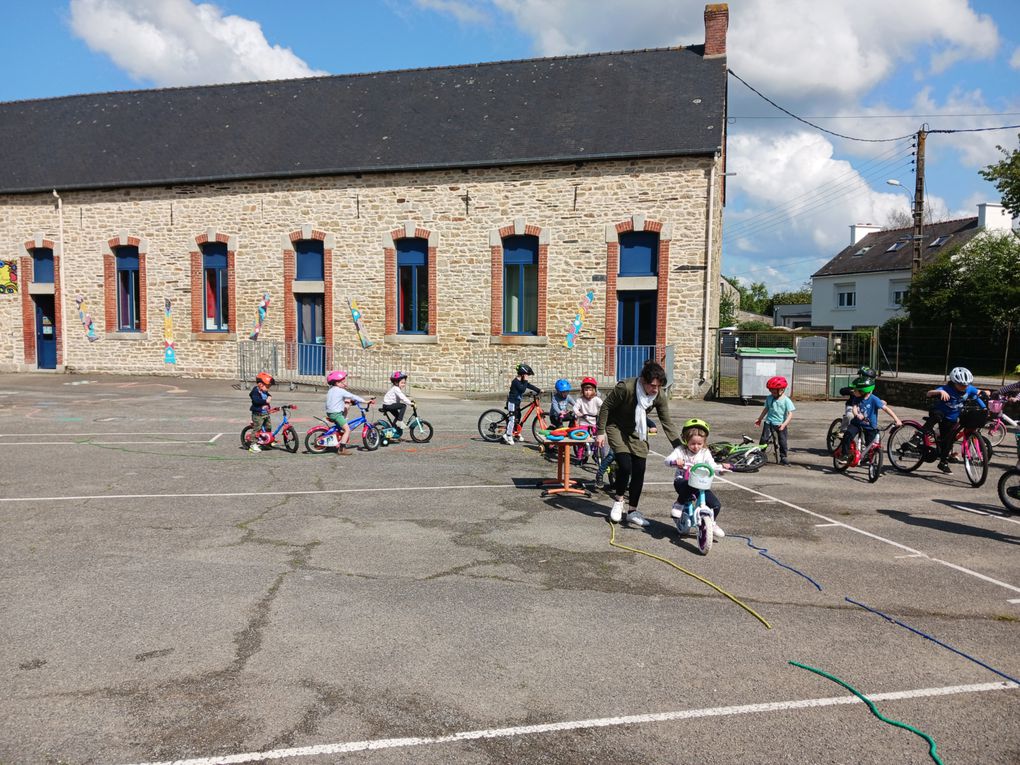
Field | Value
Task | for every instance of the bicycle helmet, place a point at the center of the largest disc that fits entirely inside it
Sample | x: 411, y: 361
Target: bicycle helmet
x: 863, y: 385
x: 867, y: 372
x: 961, y: 375
x: 265, y: 378
x: 694, y: 424
x: 562, y: 386
x: 398, y: 376
x: 524, y: 369
x: 590, y: 381
x: 776, y: 382
x: 337, y: 375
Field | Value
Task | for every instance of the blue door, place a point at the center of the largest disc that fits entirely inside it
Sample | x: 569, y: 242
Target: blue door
x: 635, y: 331
x: 310, y: 335
x: 45, y: 332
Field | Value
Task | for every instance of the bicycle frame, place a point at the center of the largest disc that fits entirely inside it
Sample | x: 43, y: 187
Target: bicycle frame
x: 524, y: 414
x: 271, y: 432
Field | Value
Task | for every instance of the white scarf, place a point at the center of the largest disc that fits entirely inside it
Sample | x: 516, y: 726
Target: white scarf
x: 644, y: 402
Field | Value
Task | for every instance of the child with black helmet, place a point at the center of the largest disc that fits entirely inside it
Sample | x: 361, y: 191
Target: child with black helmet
x: 518, y: 387
x: 693, y: 450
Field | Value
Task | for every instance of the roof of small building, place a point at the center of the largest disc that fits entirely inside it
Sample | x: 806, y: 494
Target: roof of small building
x: 647, y: 103
x: 873, y: 253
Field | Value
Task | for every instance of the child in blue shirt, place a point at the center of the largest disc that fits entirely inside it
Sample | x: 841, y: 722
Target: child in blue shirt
x: 945, y: 412
x: 518, y: 387
x: 777, y: 414
x: 865, y: 414
x: 260, y: 403
x: 561, y: 411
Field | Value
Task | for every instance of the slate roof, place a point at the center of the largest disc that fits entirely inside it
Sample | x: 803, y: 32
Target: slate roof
x: 647, y: 103
x: 876, y: 244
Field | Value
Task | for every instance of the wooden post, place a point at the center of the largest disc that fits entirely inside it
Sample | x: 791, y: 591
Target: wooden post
x: 949, y: 343
x: 897, y: 350
x: 1005, y: 353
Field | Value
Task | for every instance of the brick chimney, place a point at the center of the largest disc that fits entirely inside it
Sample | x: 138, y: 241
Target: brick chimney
x: 717, y: 19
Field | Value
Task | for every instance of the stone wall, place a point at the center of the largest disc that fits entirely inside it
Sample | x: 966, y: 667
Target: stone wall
x: 576, y: 207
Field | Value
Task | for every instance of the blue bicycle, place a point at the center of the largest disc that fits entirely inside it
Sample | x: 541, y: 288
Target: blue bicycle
x: 319, y: 438
x: 264, y: 437
x: 696, y: 513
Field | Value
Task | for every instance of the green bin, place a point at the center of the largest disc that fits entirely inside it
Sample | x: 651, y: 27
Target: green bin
x: 756, y: 365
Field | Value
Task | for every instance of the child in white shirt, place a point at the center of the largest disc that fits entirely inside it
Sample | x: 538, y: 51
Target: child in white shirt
x: 336, y: 406
x: 396, y: 401
x: 694, y: 451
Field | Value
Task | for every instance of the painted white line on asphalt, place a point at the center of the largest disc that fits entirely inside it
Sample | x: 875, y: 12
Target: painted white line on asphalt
x: 67, y: 434
x: 1013, y: 600
x: 762, y: 501
x: 213, y: 439
x: 876, y: 537
x: 915, y: 555
x: 823, y: 525
x: 982, y: 512
x: 96, y: 443
x: 603, y: 722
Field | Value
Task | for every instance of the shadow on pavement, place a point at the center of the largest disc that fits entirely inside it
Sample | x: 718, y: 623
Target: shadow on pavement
x: 951, y: 527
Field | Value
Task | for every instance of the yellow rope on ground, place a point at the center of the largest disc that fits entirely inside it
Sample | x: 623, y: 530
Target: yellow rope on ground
x: 717, y: 588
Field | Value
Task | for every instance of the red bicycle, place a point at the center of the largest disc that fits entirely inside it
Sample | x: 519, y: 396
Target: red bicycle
x: 860, y: 454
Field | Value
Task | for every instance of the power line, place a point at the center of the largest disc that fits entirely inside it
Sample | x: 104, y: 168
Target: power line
x: 975, y: 130
x: 880, y: 116
x: 816, y: 127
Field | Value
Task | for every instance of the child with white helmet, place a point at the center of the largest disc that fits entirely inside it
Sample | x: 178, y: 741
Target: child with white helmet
x: 693, y: 450
x: 396, y: 400
x: 337, y: 398
x: 946, y: 410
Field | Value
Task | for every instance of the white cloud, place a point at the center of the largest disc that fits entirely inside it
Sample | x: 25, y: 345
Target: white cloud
x: 1014, y: 60
x: 179, y: 42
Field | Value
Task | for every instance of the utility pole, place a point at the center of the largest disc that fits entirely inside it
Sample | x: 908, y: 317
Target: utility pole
x: 915, y: 263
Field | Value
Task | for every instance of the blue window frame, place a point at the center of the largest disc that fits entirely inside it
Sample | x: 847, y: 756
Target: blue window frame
x: 42, y: 265
x: 412, y: 285
x: 639, y: 253
x: 128, y: 306
x: 310, y: 260
x: 520, y: 285
x: 216, y: 310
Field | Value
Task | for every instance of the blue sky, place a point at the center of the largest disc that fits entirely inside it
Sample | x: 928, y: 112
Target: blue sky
x: 871, y: 69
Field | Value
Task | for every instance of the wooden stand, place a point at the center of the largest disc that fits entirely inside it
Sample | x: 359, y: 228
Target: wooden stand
x: 564, y: 484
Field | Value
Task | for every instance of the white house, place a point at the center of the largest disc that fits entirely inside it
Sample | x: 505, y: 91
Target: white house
x: 866, y: 283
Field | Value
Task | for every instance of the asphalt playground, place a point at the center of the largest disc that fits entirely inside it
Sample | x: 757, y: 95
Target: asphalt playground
x: 166, y: 596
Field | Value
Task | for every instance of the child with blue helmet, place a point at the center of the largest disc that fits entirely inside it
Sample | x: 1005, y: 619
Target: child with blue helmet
x: 561, y: 411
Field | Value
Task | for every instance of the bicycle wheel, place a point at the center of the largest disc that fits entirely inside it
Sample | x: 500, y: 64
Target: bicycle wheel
x: 421, y: 431
x: 1009, y: 490
x: 492, y: 424
x: 370, y: 437
x: 535, y: 427
x: 246, y: 437
x: 840, y: 462
x: 904, y: 447
x: 290, y: 439
x: 751, y: 462
x: 994, y: 431
x: 312, y: 444
x: 975, y: 461
x: 874, y: 464
x: 705, y: 532
x: 834, y: 435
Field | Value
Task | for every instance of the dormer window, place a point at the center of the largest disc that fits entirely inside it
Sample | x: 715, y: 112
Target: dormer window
x: 863, y: 250
x: 896, y: 246
x: 939, y: 241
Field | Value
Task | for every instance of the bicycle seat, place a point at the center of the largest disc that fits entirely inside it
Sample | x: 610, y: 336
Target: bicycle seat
x: 746, y: 440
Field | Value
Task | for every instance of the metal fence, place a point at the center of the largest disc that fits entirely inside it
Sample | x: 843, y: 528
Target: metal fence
x: 825, y: 361
x: 907, y: 350
x: 485, y: 369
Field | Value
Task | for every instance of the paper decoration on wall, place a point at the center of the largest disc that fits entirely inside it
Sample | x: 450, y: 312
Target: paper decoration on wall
x: 8, y: 277
x: 169, y: 354
x: 257, y: 326
x: 86, y: 320
x: 356, y: 315
x: 575, y: 326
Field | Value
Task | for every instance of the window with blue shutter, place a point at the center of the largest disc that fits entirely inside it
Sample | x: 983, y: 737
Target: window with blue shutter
x: 520, y: 285
x: 310, y: 264
x: 128, y: 296
x: 639, y: 253
x: 42, y: 265
x: 412, y: 285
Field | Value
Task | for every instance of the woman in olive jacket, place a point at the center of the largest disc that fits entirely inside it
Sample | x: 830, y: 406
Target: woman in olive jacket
x: 623, y: 421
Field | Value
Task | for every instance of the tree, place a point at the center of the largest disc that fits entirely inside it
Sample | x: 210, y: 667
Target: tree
x: 791, y: 297
x: 974, y: 286
x: 753, y: 297
x: 1005, y: 174
x: 727, y: 310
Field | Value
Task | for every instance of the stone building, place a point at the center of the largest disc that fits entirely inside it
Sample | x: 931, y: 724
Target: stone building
x: 564, y: 211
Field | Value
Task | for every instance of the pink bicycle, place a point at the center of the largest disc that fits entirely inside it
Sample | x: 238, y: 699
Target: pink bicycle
x: 999, y: 423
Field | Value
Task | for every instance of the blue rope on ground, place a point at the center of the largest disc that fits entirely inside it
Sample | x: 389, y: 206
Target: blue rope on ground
x: 763, y: 551
x: 934, y: 640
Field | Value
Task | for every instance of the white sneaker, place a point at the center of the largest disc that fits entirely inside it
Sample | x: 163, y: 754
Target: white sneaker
x: 634, y: 518
x: 677, y: 511
x: 254, y: 447
x: 508, y: 439
x: 616, y: 514
x: 717, y: 531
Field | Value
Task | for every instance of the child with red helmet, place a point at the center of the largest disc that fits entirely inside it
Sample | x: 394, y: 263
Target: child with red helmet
x: 777, y: 414
x: 260, y: 402
x: 396, y: 401
x: 586, y: 408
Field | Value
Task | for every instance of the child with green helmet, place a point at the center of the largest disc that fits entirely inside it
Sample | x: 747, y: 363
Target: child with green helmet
x: 693, y: 450
x: 865, y: 414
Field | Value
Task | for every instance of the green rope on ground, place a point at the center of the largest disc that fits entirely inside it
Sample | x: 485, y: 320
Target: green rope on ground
x: 717, y: 588
x: 874, y: 709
